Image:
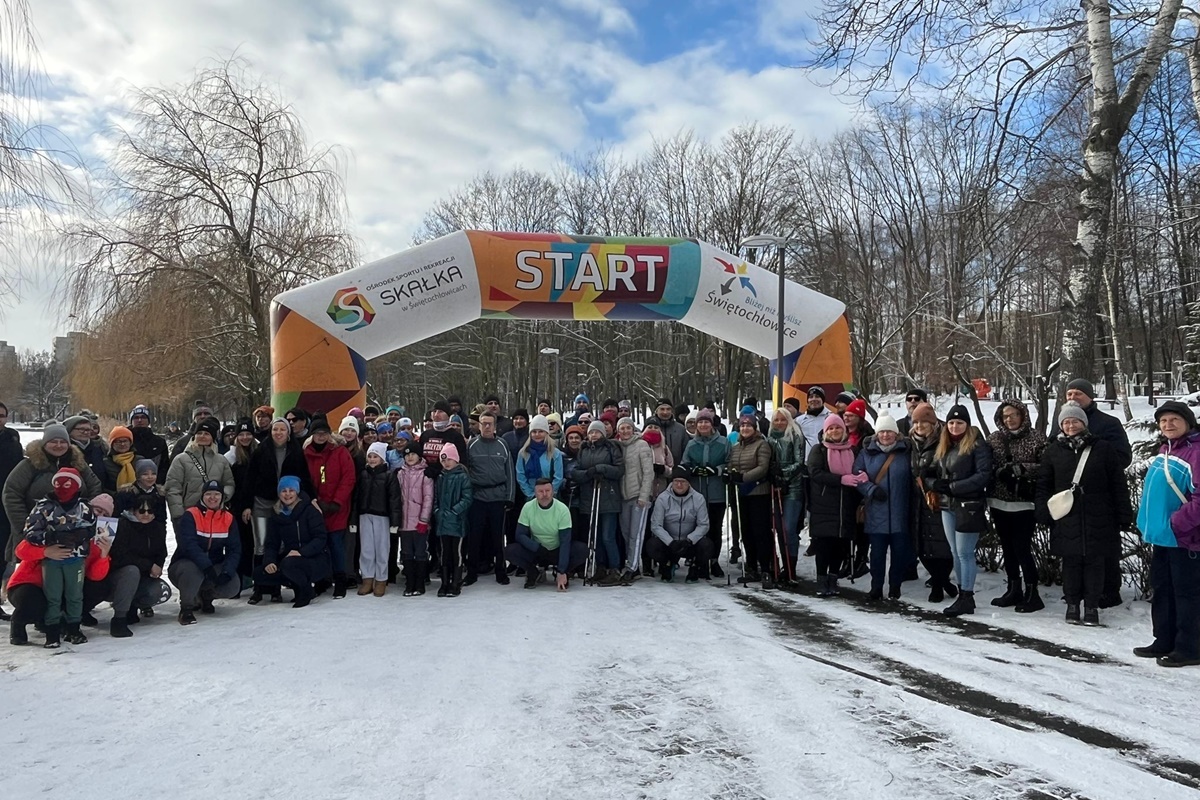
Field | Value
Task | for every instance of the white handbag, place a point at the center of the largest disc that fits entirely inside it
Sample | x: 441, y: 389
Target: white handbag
x: 1061, y: 503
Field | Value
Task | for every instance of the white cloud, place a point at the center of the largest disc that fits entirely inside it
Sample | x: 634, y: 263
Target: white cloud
x: 421, y: 96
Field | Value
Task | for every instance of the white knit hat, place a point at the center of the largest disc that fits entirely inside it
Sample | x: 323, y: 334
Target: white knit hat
x: 348, y: 422
x: 539, y: 423
x: 378, y: 448
x: 886, y: 423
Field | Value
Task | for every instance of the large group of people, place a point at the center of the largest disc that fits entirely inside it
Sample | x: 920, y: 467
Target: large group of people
x: 280, y: 501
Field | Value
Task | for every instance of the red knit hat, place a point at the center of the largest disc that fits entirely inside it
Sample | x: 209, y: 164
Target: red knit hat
x: 858, y: 408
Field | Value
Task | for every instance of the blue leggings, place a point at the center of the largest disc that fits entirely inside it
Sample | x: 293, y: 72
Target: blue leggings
x: 962, y: 545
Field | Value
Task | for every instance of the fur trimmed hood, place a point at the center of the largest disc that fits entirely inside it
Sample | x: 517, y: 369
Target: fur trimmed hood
x: 39, y: 460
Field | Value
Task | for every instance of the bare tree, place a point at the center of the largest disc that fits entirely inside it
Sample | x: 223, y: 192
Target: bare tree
x: 216, y: 196
x: 1021, y: 46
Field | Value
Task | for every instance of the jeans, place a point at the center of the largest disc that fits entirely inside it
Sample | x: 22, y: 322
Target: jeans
x: 880, y: 542
x: 337, y: 551
x: 962, y: 546
x: 793, y: 511
x: 606, y: 539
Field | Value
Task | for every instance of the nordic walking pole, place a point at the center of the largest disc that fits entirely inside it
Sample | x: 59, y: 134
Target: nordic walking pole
x: 737, y: 514
x: 589, y: 570
x: 641, y: 534
x: 776, y: 530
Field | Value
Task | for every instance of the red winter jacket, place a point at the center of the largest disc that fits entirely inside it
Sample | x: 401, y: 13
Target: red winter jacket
x: 332, y: 472
x: 29, y: 570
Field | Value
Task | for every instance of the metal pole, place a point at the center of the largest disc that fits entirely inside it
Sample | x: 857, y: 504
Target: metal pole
x: 557, y: 385
x: 779, y: 363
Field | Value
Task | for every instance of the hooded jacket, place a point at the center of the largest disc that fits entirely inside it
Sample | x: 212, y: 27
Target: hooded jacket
x: 264, y: 472
x: 188, y: 474
x: 675, y: 517
x: 28, y: 571
x: 331, y: 471
x: 33, y: 478
x: 1165, y: 519
x: 148, y: 444
x: 1016, y: 461
x: 832, y: 507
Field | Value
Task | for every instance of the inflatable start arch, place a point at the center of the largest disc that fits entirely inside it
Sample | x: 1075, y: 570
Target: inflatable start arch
x: 323, y: 334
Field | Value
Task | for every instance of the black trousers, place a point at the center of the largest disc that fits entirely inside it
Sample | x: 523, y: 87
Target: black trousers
x: 1175, y: 605
x: 528, y: 560
x: 486, y: 528
x: 1015, y: 529
x: 700, y: 553
x: 716, y: 526
x: 755, y: 513
x: 297, y: 572
x: 451, y: 564
x: 1083, y: 579
x: 939, y: 570
x: 829, y: 551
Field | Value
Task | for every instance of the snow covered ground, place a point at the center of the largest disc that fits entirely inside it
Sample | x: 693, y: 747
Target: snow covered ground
x: 651, y: 691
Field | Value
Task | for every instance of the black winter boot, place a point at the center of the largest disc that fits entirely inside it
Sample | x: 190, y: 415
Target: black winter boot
x: 18, y: 637
x: 88, y: 621
x: 1031, y: 602
x: 950, y: 589
x: 936, y: 593
x: 74, y: 635
x: 132, y: 617
x: 255, y: 596
x: 1011, y: 597
x: 1091, y: 616
x: 1073, y: 614
x: 119, y: 628
x: 420, y: 580
x: 965, y: 604
x: 52, y: 637
x: 339, y: 586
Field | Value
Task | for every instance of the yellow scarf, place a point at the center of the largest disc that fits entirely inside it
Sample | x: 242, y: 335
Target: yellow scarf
x: 126, y: 476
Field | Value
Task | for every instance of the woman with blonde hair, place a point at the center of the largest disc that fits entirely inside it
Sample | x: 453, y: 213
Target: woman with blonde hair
x: 963, y: 461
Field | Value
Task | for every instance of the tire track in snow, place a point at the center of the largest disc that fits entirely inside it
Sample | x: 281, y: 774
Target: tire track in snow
x: 813, y: 627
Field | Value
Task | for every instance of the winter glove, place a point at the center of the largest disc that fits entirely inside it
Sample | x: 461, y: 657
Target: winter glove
x: 394, y: 529
x: 1005, y: 473
x: 422, y: 527
x: 224, y: 578
x: 677, y: 547
x: 660, y: 469
x: 354, y: 529
x: 879, y: 493
x: 210, y: 574
x: 331, y: 507
x: 734, y: 476
x: 939, y: 485
x: 591, y: 472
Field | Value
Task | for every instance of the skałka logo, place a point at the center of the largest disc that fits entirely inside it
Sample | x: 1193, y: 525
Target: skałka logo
x: 739, y: 274
x: 351, y: 308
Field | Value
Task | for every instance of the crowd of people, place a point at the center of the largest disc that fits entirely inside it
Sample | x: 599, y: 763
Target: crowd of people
x: 287, y: 501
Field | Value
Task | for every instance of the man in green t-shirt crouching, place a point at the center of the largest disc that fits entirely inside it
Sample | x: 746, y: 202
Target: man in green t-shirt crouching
x: 544, y: 538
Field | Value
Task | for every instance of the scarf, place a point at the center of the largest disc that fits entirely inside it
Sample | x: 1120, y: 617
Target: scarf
x: 840, y: 456
x: 127, y: 475
x: 441, y: 426
x: 533, y: 465
x: 889, y: 448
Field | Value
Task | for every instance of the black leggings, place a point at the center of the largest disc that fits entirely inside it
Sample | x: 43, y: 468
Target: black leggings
x: 1015, y: 529
x: 755, y: 512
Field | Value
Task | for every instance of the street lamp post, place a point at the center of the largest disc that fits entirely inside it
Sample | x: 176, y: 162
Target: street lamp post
x: 424, y: 386
x: 553, y: 351
x: 779, y: 243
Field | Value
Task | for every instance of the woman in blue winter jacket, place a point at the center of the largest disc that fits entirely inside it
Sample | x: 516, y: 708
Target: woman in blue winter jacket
x: 1169, y: 519
x: 885, y: 461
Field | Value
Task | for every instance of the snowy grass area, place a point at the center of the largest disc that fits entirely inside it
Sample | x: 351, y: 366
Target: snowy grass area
x: 652, y: 691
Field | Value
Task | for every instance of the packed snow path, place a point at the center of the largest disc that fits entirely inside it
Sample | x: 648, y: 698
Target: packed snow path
x: 654, y: 691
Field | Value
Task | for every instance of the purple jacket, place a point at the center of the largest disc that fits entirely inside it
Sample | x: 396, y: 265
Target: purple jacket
x: 1163, y: 518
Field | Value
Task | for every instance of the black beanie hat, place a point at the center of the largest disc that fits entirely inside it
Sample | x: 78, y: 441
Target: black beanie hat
x: 210, y: 425
x: 959, y: 412
x: 443, y: 406
x: 817, y: 390
x: 680, y: 472
x: 245, y: 426
x: 1083, y: 385
x: 1176, y: 407
x: 319, y: 423
x: 521, y: 412
x: 918, y: 393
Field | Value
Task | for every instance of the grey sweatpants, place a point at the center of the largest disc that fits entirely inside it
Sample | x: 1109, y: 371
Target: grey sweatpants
x: 633, y: 528
x: 130, y: 589
x: 374, y: 545
x: 188, y: 578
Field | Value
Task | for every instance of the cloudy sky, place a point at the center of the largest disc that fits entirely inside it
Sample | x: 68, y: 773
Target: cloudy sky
x: 425, y: 94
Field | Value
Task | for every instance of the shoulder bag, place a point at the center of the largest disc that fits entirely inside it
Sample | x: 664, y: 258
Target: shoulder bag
x: 1061, y: 503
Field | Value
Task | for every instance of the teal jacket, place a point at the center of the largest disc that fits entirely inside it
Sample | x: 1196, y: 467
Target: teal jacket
x: 706, y: 460
x: 1165, y: 519
x: 789, y: 455
x: 452, y: 501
